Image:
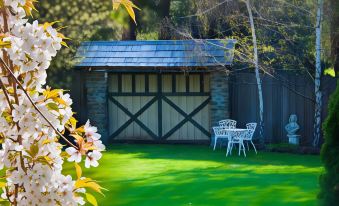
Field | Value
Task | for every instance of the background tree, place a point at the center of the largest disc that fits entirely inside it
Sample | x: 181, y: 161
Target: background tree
x: 318, y: 74
x: 83, y: 20
x: 257, y: 75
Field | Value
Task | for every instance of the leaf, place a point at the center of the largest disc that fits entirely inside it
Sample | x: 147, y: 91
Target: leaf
x: 29, y: 6
x: 2, y: 138
x: 48, y: 24
x: 330, y: 71
x: 94, y: 186
x: 52, y: 93
x: 5, y: 44
x: 130, y: 12
x: 3, y: 200
x: 45, y: 160
x: 2, y: 184
x: 47, y: 141
x: 60, y: 101
x: 64, y: 44
x: 89, y: 183
x: 128, y: 6
x: 80, y: 129
x: 33, y: 150
x: 73, y: 122
x: 78, y: 170
x: 52, y: 106
x: 91, y: 199
x: 8, y: 117
x: 64, y: 154
x: 78, y: 138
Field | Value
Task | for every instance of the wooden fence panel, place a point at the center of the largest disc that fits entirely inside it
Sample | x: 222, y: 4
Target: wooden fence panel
x: 284, y: 94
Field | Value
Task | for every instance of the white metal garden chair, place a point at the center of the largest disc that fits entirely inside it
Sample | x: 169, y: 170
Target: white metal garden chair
x: 249, y: 135
x: 228, y: 123
x: 225, y: 124
x: 237, y: 138
x: 219, y: 132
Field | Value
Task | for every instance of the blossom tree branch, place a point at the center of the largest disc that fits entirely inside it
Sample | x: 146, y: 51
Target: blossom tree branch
x: 33, y: 104
x: 32, y: 117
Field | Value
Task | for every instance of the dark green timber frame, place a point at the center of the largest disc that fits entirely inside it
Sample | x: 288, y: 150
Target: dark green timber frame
x: 158, y: 97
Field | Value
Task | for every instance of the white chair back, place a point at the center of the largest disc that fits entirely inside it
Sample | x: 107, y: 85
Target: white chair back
x: 228, y: 123
x: 251, y: 129
x: 218, y: 131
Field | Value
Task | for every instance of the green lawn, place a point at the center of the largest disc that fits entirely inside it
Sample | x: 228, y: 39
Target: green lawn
x: 171, y: 175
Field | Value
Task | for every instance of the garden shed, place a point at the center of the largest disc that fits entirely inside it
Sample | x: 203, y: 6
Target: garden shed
x: 162, y: 90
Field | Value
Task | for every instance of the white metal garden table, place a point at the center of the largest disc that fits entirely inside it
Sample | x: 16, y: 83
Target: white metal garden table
x: 235, y: 136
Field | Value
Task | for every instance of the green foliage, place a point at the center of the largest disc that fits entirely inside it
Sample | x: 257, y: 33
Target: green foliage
x: 333, y: 16
x: 329, y: 181
x: 83, y: 20
x: 285, y: 30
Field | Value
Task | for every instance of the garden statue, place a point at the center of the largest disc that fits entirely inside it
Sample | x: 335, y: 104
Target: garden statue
x: 292, y: 127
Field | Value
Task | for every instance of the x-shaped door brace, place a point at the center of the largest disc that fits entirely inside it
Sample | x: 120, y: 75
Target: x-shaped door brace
x: 134, y: 117
x: 187, y: 117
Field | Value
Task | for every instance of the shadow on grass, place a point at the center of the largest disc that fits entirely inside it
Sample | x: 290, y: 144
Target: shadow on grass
x: 146, y: 175
x: 194, y: 152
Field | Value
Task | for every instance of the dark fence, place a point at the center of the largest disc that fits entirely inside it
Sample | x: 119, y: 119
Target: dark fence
x: 284, y: 93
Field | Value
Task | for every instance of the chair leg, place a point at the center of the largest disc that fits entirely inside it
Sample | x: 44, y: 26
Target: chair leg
x: 228, y: 148
x: 231, y: 148
x: 254, y: 147
x: 244, y: 150
x: 215, y: 142
x: 240, y: 146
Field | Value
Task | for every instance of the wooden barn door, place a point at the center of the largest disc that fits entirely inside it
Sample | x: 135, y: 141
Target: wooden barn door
x: 159, y: 106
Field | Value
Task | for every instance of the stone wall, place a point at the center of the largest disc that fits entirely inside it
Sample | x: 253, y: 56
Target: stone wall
x: 96, y: 100
x: 219, y: 106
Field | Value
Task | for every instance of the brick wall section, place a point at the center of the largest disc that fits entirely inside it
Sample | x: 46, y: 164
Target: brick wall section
x: 219, y: 106
x: 96, y: 99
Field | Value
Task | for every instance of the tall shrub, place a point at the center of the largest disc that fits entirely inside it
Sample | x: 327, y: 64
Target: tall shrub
x: 329, y: 181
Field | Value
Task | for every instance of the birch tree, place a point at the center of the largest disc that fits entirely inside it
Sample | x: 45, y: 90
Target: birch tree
x: 318, y: 71
x: 257, y: 76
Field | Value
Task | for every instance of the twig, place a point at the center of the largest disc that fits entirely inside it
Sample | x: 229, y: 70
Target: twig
x: 6, y: 94
x: 206, y: 11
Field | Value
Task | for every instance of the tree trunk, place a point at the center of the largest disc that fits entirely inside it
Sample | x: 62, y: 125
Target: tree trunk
x: 259, y: 83
x: 212, y: 30
x: 164, y: 13
x: 318, y: 72
x: 129, y: 33
x: 334, y: 5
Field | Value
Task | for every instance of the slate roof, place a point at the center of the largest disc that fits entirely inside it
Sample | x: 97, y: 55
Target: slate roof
x: 157, y: 53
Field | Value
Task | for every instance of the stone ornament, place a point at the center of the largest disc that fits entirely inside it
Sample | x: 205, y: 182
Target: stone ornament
x: 291, y: 128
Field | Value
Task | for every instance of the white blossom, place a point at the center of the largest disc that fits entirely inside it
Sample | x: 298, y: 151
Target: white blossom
x: 31, y: 152
x: 92, y: 159
x: 75, y: 155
